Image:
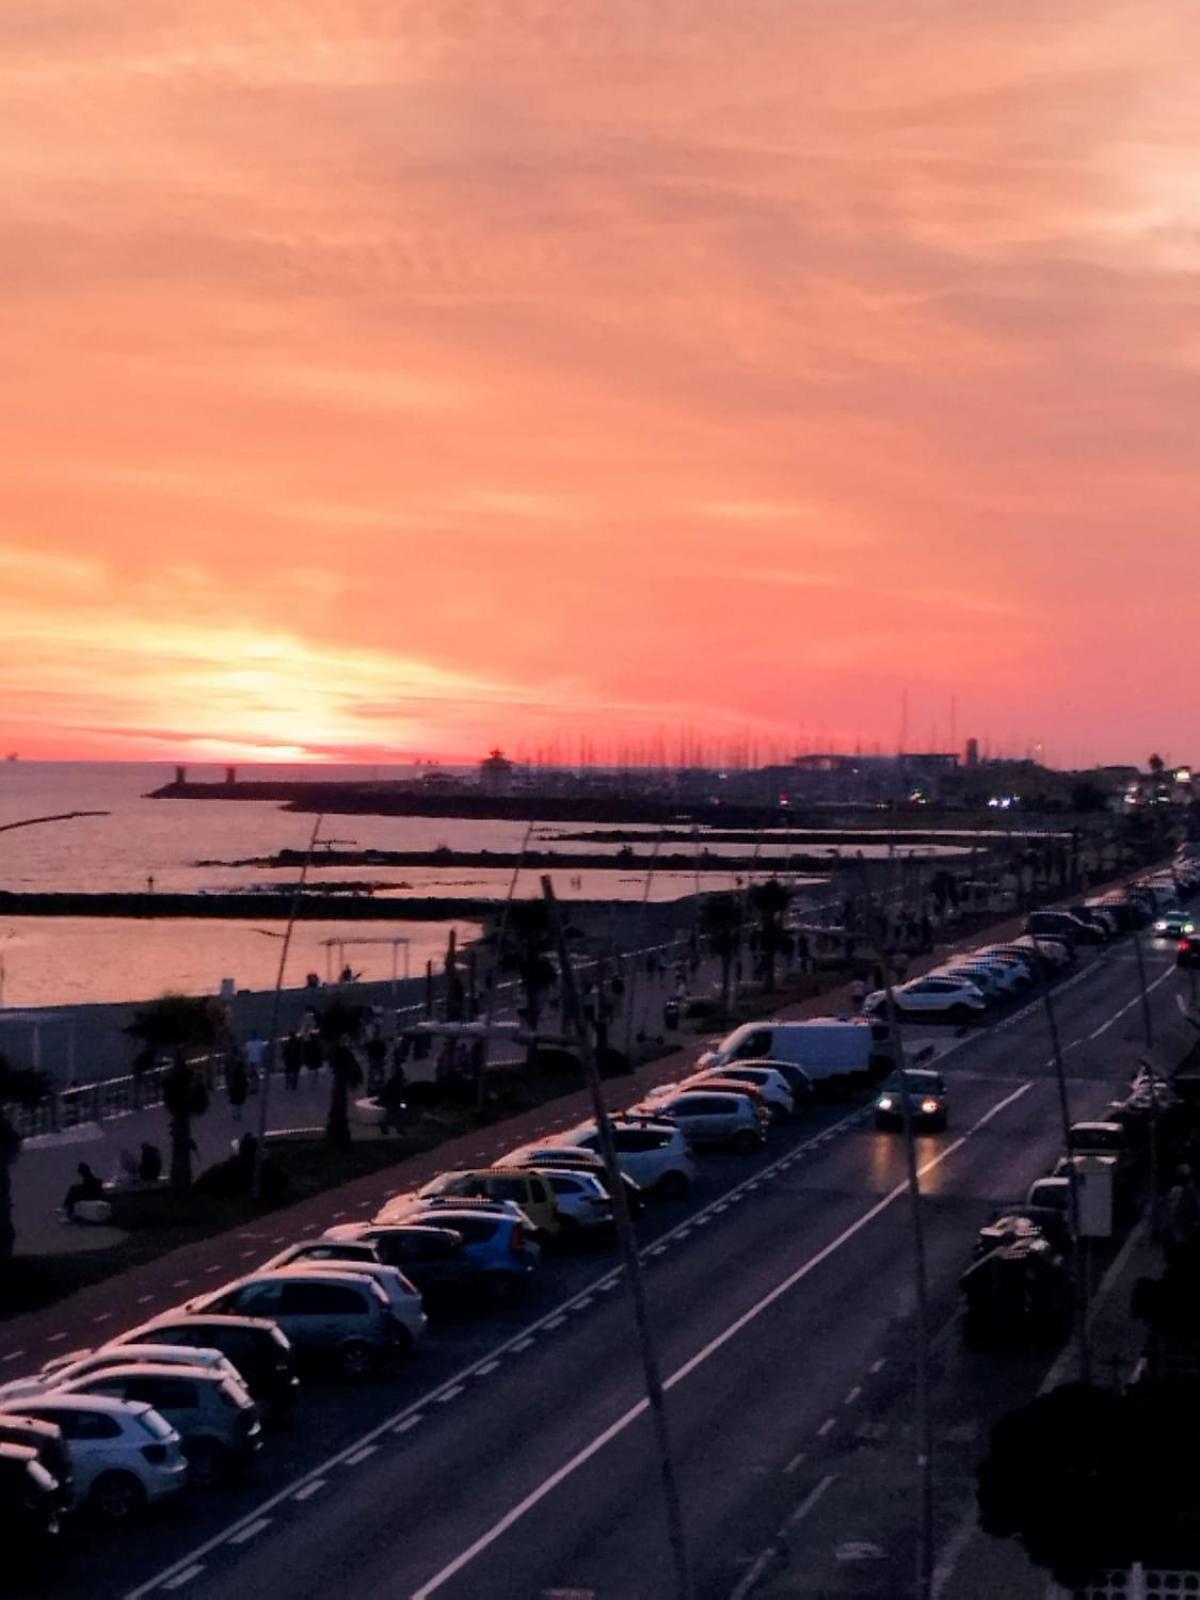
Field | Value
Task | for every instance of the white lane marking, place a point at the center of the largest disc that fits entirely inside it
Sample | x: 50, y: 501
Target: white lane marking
x: 55, y: 1338
x: 15, y: 1355
x: 360, y: 1456
x: 609, y: 1281
x: 826, y: 1427
x: 309, y: 1489
x: 853, y: 1395
x: 186, y: 1576
x: 615, y: 1429
x: 218, y: 1268
x: 144, y: 1299
x: 777, y: 1546
x: 246, y: 1254
x: 105, y: 1316
x: 878, y: 1366
x: 486, y: 1370
x: 555, y: 1322
x: 797, y: 1460
x: 1137, y: 1000
x: 582, y: 1305
x: 251, y: 1532
x: 657, y: 1250
x: 181, y: 1283
x: 450, y: 1394
x: 408, y: 1423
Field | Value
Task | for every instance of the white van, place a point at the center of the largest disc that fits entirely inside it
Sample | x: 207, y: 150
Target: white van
x: 829, y: 1049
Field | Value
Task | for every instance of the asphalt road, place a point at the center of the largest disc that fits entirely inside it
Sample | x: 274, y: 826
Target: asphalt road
x: 513, y: 1457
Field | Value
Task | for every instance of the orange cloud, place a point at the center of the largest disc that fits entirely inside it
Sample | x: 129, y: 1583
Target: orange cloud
x: 407, y: 377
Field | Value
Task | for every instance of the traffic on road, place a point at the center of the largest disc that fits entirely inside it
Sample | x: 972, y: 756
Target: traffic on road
x: 281, y: 1420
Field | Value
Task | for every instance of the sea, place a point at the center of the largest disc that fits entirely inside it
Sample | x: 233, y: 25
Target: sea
x: 137, y: 843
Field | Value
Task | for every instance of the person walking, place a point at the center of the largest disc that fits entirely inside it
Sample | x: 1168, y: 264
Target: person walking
x: 293, y: 1059
x: 237, y: 1085
x: 255, y: 1056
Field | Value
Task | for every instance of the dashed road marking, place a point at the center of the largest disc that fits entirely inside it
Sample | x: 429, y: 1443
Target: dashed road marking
x: 181, y: 1283
x: 217, y: 1267
x: 252, y: 1531
x: 486, y: 1370
x: 582, y: 1305
x: 554, y: 1322
x: 144, y: 1299
x: 797, y: 1460
x: 523, y: 1344
x: 878, y: 1366
x: 105, y: 1316
x: 186, y: 1576
x: 360, y: 1456
x: 827, y: 1426
x: 451, y: 1394
x: 14, y: 1355
x: 853, y: 1395
x: 246, y: 1254
x: 56, y: 1338
x: 408, y: 1423
x: 309, y: 1489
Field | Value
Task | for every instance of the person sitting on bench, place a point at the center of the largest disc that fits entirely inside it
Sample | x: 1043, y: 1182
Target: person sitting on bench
x: 89, y: 1187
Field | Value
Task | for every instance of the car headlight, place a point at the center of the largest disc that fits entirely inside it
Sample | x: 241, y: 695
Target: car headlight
x: 929, y: 1107
x: 1189, y: 927
x: 886, y: 1103
x: 1160, y: 927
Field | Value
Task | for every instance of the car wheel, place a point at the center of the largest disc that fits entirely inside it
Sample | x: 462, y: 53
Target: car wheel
x: 206, y: 1461
x: 117, y: 1496
x: 746, y: 1143
x: 674, y: 1186
x: 357, y: 1360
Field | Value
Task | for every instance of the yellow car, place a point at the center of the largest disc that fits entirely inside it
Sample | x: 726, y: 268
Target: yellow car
x: 529, y: 1190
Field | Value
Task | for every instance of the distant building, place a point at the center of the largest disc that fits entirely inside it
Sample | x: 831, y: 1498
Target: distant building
x: 496, y: 774
x: 972, y: 752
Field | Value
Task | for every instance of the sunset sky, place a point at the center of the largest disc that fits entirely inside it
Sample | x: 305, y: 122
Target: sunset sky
x: 399, y: 377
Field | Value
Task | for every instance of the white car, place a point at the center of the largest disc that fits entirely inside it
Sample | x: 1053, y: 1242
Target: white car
x: 772, y: 1085
x: 932, y: 996
x: 404, y: 1298
x: 123, y: 1454
x: 56, y: 1373
x: 711, y: 1118
x: 965, y: 971
x: 654, y: 1154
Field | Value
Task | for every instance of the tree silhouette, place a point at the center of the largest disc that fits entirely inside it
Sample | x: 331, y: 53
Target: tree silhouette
x: 1156, y: 765
x: 528, y: 941
x: 721, y: 922
x: 19, y: 1086
x: 186, y: 1026
x: 338, y: 1024
x: 769, y: 901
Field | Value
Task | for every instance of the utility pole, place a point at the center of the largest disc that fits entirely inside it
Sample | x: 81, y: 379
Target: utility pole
x: 629, y: 1255
x: 264, y: 1088
x: 1079, y: 1263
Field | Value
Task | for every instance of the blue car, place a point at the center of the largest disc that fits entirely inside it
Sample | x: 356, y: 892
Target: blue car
x: 496, y: 1243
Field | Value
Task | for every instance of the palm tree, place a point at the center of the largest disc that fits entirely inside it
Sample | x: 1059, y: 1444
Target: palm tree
x: 19, y: 1086
x: 528, y: 941
x: 721, y: 923
x: 338, y: 1024
x: 186, y: 1026
x: 769, y: 901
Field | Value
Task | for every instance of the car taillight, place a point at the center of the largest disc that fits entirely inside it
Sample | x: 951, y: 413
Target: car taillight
x: 155, y: 1454
x: 516, y: 1241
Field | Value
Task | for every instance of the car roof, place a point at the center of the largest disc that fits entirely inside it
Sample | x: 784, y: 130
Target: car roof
x: 219, y: 1319
x: 69, y: 1400
x: 149, y: 1369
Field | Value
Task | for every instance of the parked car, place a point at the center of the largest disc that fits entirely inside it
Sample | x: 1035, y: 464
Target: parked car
x: 526, y: 1189
x: 56, y: 1373
x: 124, y: 1456
x: 433, y: 1258
x: 46, y: 1441
x: 711, y: 1118
x: 798, y: 1081
x: 774, y: 1088
x: 584, y: 1206
x: 29, y: 1502
x: 496, y: 1242
x: 655, y: 1154
x: 1062, y: 925
x: 575, y: 1160
x: 404, y: 1298
x: 260, y: 1350
x: 337, y: 1322
x: 931, y: 996
x: 1020, y: 965
x: 987, y: 981
x: 213, y: 1415
x: 925, y: 1094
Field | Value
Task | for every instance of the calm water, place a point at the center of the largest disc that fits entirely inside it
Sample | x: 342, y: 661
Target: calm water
x: 55, y: 961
